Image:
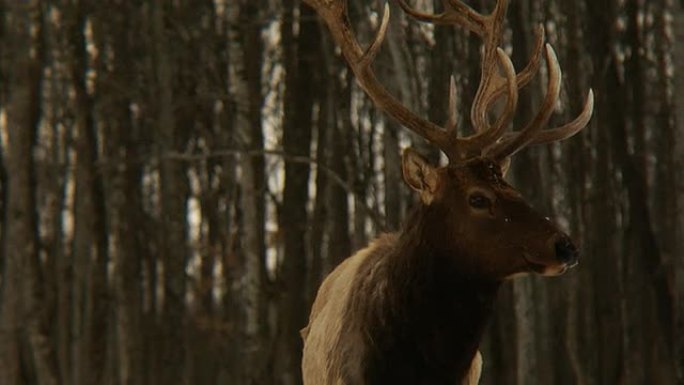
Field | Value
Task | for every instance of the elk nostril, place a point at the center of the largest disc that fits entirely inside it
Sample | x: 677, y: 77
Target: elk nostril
x: 566, y: 251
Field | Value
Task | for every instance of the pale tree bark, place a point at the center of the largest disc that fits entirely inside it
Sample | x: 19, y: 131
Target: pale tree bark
x: 24, y: 342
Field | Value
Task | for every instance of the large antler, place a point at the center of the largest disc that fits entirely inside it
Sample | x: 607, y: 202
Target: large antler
x: 489, y: 138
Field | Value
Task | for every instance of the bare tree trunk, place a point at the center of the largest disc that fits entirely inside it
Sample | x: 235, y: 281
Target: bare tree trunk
x: 245, y: 88
x: 607, y: 270
x: 128, y: 230
x: 24, y: 342
x: 324, y: 125
x: 173, y: 210
x: 58, y: 261
x: 90, y: 244
x: 300, y: 59
x: 359, y: 166
x: 232, y: 366
x: 126, y: 221
x: 529, y: 177
x: 395, y: 69
x: 208, y: 329
x: 340, y: 243
x: 393, y: 179
x: 10, y: 311
x: 642, y: 247
x: 669, y: 176
x: 635, y: 337
x: 576, y: 159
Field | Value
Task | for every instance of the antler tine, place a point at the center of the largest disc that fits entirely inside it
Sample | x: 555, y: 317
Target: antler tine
x: 488, y: 139
x: 494, y: 133
x: 505, y: 149
x: 568, y: 130
x: 492, y: 85
x: 529, y: 72
x: 455, y: 12
x: 334, y: 13
x: 489, y: 27
x: 488, y: 135
x: 372, y: 51
x: 452, y: 118
x: 488, y: 85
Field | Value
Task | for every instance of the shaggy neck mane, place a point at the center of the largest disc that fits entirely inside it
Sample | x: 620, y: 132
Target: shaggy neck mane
x: 425, y: 315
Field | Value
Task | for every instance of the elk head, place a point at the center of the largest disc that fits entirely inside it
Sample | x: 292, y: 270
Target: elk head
x: 475, y: 211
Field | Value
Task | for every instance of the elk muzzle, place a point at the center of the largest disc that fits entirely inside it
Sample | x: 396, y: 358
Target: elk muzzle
x: 566, y: 252
x: 561, y: 255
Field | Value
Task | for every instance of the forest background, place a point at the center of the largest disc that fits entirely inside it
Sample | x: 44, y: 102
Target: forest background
x: 176, y: 177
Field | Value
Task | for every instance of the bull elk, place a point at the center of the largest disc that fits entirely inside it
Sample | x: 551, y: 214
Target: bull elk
x: 411, y: 307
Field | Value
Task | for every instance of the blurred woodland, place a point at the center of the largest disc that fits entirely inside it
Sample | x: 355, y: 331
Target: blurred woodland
x: 176, y: 177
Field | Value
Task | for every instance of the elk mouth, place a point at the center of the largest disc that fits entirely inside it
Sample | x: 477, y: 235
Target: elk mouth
x: 542, y: 269
x: 533, y: 266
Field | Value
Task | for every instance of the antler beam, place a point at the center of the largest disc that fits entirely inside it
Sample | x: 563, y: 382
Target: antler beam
x: 334, y: 14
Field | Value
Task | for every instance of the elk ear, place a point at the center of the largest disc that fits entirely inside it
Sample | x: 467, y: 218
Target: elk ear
x: 419, y: 174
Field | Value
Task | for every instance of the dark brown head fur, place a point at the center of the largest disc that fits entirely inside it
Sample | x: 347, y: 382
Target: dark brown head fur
x: 475, y: 215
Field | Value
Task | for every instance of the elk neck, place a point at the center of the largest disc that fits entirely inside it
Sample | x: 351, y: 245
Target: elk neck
x: 434, y: 310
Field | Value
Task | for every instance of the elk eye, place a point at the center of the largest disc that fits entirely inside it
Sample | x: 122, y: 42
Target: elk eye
x: 479, y: 201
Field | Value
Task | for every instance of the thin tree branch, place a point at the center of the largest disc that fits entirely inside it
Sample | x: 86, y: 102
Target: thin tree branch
x: 373, y: 214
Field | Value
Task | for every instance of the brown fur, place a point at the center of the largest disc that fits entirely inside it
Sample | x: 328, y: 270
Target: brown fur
x: 411, y: 307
